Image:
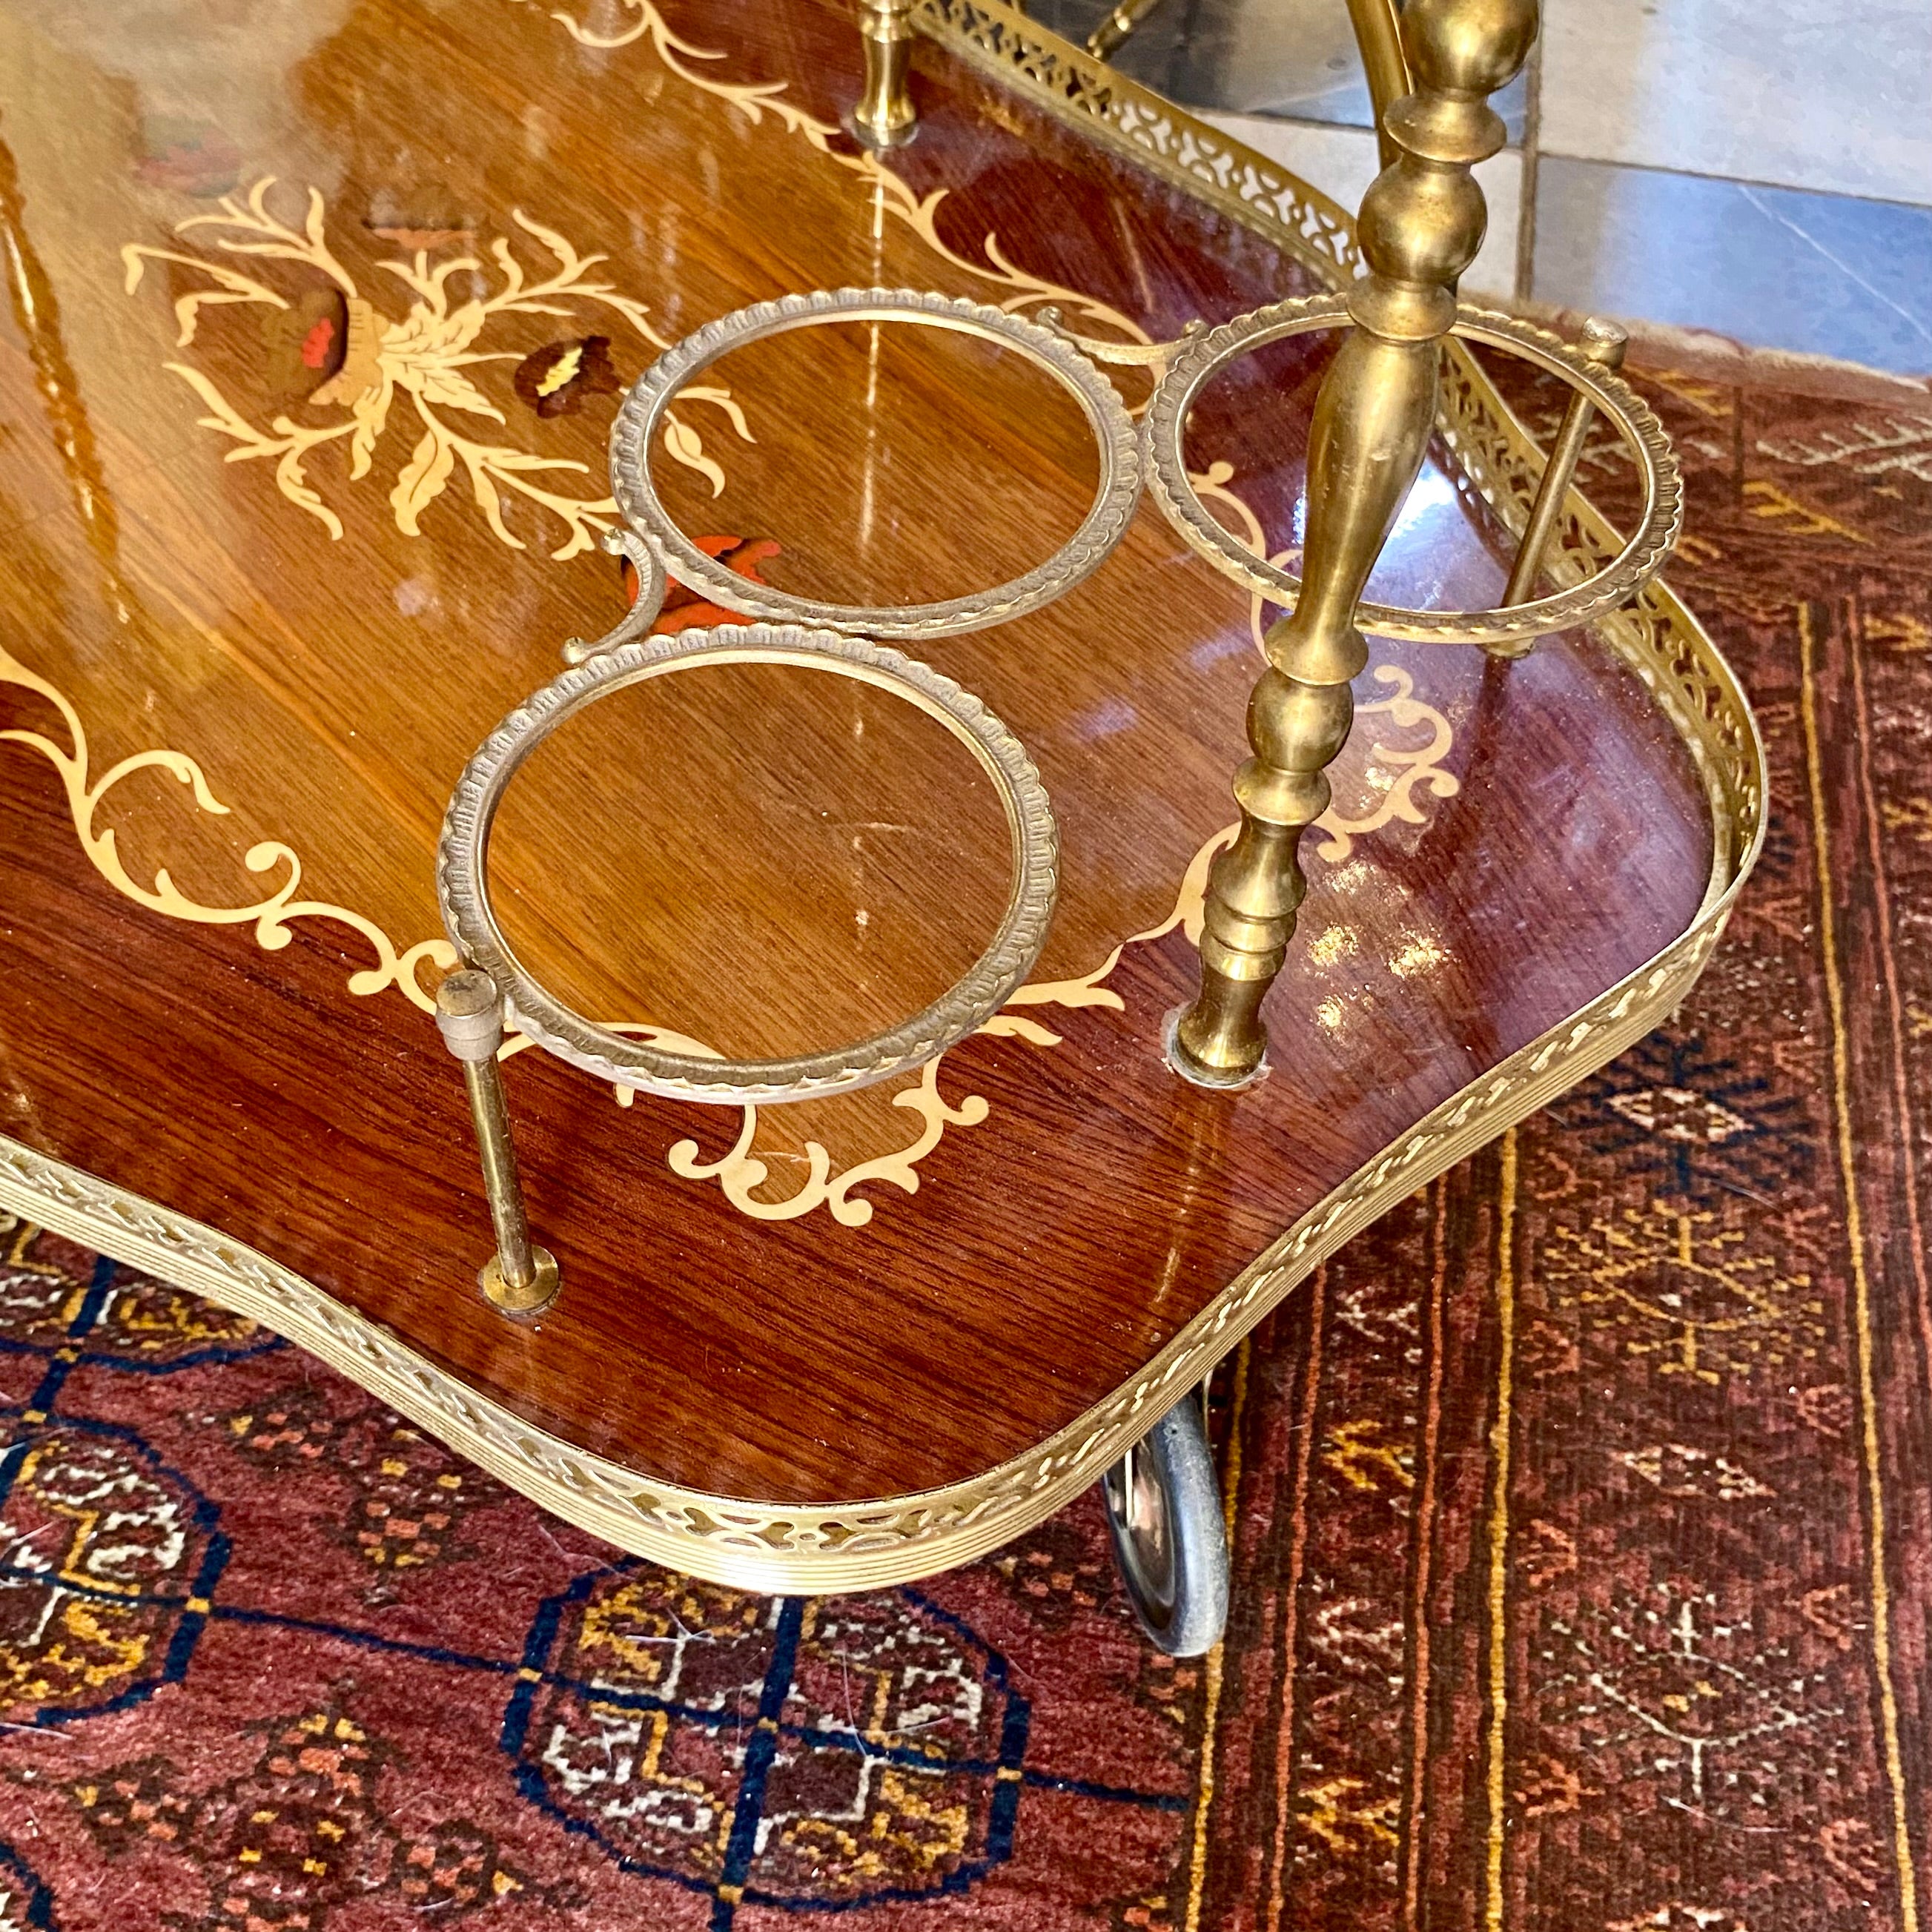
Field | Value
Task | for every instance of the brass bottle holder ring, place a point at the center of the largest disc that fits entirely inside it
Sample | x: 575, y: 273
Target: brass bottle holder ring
x: 639, y: 420
x: 495, y: 988
x: 463, y: 889
x: 1198, y: 359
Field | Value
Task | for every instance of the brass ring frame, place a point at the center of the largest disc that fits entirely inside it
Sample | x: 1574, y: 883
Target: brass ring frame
x: 1201, y: 358
x: 463, y: 893
x: 1114, y: 497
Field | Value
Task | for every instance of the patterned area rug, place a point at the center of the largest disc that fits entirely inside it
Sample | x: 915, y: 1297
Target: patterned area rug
x: 1584, y: 1542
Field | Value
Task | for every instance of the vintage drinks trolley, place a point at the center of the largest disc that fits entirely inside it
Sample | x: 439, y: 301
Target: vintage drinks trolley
x: 987, y: 1074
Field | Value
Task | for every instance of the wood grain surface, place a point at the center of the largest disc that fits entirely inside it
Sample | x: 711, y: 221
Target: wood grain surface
x: 327, y: 624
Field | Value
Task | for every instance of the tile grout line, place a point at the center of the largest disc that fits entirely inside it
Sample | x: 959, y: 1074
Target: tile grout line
x: 1750, y: 192
x: 1557, y: 154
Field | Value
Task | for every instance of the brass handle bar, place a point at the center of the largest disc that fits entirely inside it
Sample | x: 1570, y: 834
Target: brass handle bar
x: 1603, y: 343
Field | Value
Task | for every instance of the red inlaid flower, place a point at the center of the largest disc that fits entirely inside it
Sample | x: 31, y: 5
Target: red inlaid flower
x: 684, y: 609
x: 307, y: 343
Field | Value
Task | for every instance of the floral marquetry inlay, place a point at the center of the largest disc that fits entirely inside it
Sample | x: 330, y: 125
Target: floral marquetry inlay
x: 389, y: 377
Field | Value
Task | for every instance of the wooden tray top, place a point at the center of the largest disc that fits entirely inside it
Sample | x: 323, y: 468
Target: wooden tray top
x: 316, y: 330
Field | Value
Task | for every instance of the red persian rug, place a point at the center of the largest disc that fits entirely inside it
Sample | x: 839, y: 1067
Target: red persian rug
x: 1584, y: 1535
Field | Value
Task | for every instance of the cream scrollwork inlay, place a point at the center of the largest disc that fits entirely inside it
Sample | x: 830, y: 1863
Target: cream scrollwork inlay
x: 270, y: 916
x: 741, y: 1172
x: 695, y: 66
x: 1396, y: 774
x: 421, y: 357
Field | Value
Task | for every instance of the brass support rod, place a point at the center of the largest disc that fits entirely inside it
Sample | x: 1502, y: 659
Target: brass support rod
x: 1603, y: 343
x: 1422, y: 222
x: 1118, y: 28
x: 885, y: 116
x: 519, y: 1278
x: 1379, y: 39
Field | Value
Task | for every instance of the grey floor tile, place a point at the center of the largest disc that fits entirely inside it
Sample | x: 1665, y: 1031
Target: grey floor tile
x: 1830, y: 95
x: 1826, y: 275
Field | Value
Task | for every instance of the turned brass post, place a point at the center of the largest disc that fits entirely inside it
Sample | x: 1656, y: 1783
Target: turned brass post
x: 1118, y: 28
x: 519, y: 1278
x: 1422, y: 221
x: 885, y: 116
x: 1603, y: 343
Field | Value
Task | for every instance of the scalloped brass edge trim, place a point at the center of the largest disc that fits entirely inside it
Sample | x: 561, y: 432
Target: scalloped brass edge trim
x: 869, y: 1544
x: 1019, y: 54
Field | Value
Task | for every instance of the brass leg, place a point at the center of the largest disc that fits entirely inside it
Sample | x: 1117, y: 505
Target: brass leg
x: 519, y: 1278
x: 1421, y: 224
x: 1603, y: 343
x: 885, y: 116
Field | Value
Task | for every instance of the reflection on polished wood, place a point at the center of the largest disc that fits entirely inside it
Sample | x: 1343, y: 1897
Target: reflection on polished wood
x: 302, y: 495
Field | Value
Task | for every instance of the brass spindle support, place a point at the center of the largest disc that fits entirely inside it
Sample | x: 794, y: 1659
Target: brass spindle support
x: 1603, y: 343
x: 1118, y: 28
x: 885, y: 116
x: 519, y: 1278
x: 1421, y: 224
x: 1377, y: 28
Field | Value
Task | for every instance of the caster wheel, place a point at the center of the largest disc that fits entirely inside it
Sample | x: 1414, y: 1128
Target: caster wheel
x: 1170, y: 1540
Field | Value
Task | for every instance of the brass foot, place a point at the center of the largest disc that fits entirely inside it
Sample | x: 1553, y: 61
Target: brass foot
x: 1199, y: 1072
x: 902, y: 136
x: 534, y: 1297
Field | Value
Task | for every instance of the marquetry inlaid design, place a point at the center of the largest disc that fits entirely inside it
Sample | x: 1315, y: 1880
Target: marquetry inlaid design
x: 87, y: 790
x: 414, y: 370
x: 378, y: 366
x: 707, y: 69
